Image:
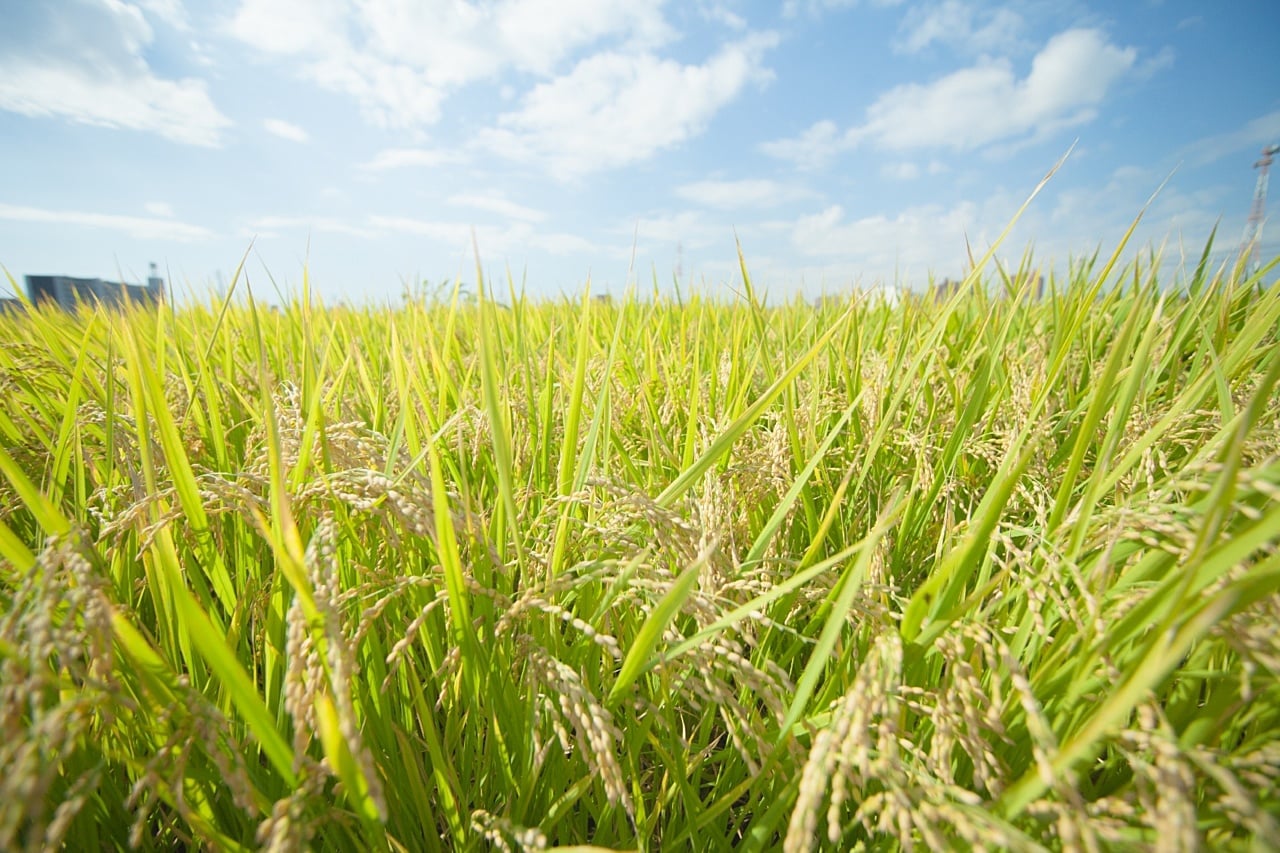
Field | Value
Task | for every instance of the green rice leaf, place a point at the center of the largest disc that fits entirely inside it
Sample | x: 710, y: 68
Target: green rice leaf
x: 647, y: 638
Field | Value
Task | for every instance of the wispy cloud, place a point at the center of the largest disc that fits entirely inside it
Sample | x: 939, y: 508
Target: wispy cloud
x: 719, y: 12
x: 910, y: 236
x: 135, y: 226
x: 690, y: 229
x: 1263, y: 130
x: 812, y: 149
x: 286, y: 130
x: 169, y: 11
x: 734, y: 195
x: 960, y: 25
x: 498, y: 204
x: 511, y: 239
x: 399, y: 158
x: 907, y: 170
x: 270, y: 225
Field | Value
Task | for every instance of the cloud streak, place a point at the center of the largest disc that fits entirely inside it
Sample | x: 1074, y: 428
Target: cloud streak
x: 1263, y: 130
x: 734, y: 195
x: 140, y: 227
x: 498, y: 204
x: 400, y: 158
x: 286, y: 130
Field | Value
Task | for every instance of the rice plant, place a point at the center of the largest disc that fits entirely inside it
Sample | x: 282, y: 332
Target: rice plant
x: 672, y: 572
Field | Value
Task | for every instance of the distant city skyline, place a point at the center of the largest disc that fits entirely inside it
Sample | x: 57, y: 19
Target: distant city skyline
x: 840, y: 142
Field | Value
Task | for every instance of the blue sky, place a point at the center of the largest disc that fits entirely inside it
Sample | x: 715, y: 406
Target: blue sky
x: 843, y: 142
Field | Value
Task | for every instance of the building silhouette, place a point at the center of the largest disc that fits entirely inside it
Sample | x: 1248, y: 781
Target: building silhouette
x: 69, y: 292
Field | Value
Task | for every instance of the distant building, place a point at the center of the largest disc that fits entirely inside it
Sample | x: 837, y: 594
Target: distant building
x: 945, y: 289
x: 69, y: 292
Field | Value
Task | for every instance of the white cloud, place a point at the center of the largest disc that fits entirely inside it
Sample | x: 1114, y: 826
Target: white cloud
x: 86, y: 65
x: 721, y: 13
x: 400, y: 59
x: 905, y: 171
x: 329, y: 43
x: 159, y: 208
x: 568, y: 244
x: 911, y: 239
x: 908, y: 171
x: 810, y: 150
x: 732, y: 195
x: 906, y: 246
x: 961, y: 25
x: 179, y: 111
x: 289, y: 27
x: 1079, y: 212
x: 983, y: 104
x: 498, y: 204
x: 515, y: 238
x: 1061, y: 224
x: 987, y: 103
x: 613, y: 109
x: 390, y: 95
x: 458, y: 234
x: 286, y: 130
x: 689, y: 229
x: 135, y: 226
x: 398, y: 158
x: 538, y: 34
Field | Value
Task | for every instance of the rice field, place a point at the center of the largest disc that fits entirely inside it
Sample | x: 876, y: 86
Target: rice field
x: 668, y: 572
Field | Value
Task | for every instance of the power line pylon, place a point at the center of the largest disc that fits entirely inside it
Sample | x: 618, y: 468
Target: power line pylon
x: 1251, y: 245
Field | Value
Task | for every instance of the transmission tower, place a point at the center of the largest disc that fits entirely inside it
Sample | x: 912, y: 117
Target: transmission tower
x: 1251, y: 245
